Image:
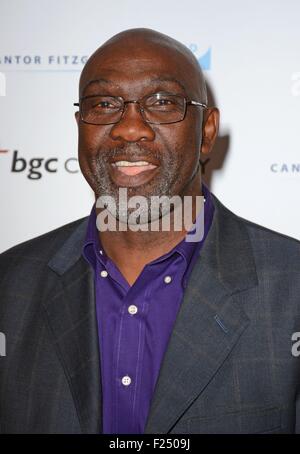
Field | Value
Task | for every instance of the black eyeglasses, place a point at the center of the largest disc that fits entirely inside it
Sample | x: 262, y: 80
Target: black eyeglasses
x: 158, y: 108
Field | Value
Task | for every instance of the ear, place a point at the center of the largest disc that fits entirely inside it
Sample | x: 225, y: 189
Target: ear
x: 210, y: 128
x: 77, y: 117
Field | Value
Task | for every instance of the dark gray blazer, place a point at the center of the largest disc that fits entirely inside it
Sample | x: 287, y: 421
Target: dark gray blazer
x: 228, y: 367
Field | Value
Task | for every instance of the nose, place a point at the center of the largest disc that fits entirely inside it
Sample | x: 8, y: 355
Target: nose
x: 132, y: 127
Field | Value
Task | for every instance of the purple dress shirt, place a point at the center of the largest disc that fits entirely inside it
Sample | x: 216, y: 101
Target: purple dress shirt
x: 135, y: 323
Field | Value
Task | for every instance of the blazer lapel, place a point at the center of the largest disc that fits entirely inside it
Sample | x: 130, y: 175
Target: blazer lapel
x: 210, y: 320
x: 71, y: 317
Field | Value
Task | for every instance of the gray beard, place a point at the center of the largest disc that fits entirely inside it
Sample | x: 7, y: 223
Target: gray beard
x: 103, y: 186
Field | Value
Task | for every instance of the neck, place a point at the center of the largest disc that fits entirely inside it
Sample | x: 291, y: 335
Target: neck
x: 132, y: 250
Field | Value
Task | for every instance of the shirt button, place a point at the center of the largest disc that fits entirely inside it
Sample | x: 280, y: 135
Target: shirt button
x: 101, y: 252
x: 167, y: 279
x: 126, y: 380
x: 104, y: 273
x: 132, y: 309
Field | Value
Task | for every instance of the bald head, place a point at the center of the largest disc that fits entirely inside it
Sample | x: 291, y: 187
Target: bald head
x: 137, y: 49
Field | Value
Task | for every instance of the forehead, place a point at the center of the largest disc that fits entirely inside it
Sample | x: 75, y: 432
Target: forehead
x: 133, y: 70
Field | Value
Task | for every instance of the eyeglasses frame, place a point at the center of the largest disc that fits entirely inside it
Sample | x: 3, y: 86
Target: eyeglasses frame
x: 187, y: 102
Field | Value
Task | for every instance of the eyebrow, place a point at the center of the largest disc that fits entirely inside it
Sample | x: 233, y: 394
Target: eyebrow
x: 168, y: 79
x: 94, y: 81
x: 150, y: 81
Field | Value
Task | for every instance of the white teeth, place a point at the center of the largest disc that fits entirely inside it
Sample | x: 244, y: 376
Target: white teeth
x: 130, y: 164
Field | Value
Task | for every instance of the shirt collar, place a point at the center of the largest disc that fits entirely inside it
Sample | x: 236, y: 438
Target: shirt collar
x: 187, y: 248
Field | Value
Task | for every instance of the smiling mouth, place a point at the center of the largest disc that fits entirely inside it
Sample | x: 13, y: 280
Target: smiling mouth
x: 132, y: 173
x: 131, y: 168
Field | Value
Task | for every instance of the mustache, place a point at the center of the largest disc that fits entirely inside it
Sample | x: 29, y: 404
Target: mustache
x: 133, y: 151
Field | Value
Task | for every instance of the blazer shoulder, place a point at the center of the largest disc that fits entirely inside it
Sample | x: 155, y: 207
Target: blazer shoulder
x: 280, y: 250
x: 265, y: 233
x: 271, y: 249
x: 258, y: 229
x: 44, y: 246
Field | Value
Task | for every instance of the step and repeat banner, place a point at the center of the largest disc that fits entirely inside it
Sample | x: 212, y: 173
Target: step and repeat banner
x: 250, y: 54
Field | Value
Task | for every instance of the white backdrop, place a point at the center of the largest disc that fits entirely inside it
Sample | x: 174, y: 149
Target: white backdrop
x: 250, y: 51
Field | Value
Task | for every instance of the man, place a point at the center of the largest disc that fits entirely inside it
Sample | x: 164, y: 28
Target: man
x: 142, y: 331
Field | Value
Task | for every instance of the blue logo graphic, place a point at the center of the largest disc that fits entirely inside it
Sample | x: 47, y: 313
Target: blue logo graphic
x: 204, y: 60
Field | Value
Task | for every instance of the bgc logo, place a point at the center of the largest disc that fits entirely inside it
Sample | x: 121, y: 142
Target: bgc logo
x: 34, y: 168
